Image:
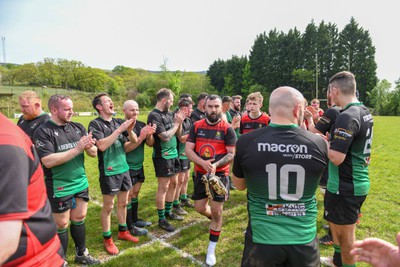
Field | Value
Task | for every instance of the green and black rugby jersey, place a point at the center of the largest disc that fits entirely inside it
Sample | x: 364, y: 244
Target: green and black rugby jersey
x: 112, y: 161
x: 352, y: 135
x: 282, y: 166
x: 325, y: 123
x: 164, y: 121
x: 30, y: 126
x: 135, y: 157
x: 70, y: 177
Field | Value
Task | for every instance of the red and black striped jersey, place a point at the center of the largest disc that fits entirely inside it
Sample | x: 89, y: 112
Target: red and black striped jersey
x: 211, y: 142
x: 248, y: 124
x: 24, y: 198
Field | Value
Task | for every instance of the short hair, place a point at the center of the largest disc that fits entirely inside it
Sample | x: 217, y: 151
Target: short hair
x: 54, y: 100
x: 129, y: 102
x: 202, y: 96
x: 236, y: 97
x: 184, y: 102
x: 315, y: 100
x: 30, y: 95
x: 226, y: 99
x: 97, y: 100
x: 163, y: 93
x: 255, y: 96
x: 213, y: 97
x: 185, y: 95
x: 345, y: 81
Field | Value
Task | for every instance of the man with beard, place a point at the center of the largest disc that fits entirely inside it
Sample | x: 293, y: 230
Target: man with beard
x: 113, y: 168
x: 210, y: 146
x: 235, y: 105
x: 60, y: 144
x: 33, y: 115
x: 165, y: 155
x: 280, y: 165
x: 135, y: 156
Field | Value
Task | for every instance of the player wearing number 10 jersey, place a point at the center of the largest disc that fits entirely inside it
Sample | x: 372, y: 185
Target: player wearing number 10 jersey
x: 281, y: 166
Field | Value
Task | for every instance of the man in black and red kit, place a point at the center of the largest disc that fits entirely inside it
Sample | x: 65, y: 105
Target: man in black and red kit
x: 28, y: 232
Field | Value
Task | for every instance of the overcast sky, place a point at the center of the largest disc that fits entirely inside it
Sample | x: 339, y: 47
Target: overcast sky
x: 190, y: 35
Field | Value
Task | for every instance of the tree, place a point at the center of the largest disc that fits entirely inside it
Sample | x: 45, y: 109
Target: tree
x: 233, y: 75
x: 216, y: 73
x: 66, y: 70
x: 356, y: 53
x: 27, y: 74
x: 49, y: 73
x: 380, y: 97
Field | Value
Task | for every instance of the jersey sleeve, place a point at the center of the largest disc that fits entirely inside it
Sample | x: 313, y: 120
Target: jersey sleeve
x: 345, y: 128
x: 96, y: 130
x: 192, y: 134
x: 43, y: 142
x: 230, y: 139
x: 14, y: 166
x: 325, y: 123
x: 156, y: 118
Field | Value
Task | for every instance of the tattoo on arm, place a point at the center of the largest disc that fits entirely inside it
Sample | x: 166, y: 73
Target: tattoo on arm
x: 225, y: 160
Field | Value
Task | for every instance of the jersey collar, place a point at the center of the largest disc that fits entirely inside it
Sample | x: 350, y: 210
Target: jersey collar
x: 353, y: 104
x: 283, y: 125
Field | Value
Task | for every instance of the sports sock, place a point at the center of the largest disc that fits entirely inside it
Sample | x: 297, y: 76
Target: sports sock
x: 176, y: 203
x: 337, y: 256
x: 168, y: 207
x: 135, y: 206
x: 349, y: 265
x: 78, y: 230
x: 161, y: 214
x: 122, y: 227
x: 129, y: 220
x: 183, y: 197
x: 63, y: 235
x: 107, y: 235
x: 214, y: 235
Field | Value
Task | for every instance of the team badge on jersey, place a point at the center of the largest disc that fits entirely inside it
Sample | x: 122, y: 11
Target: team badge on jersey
x: 207, y: 151
x: 218, y: 135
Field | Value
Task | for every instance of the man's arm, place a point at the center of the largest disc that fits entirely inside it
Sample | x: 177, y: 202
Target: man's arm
x: 226, y: 159
x: 167, y: 135
x: 191, y: 154
x: 130, y: 146
x: 56, y: 159
x: 239, y: 183
x: 106, y: 142
x: 10, y: 232
x: 336, y: 157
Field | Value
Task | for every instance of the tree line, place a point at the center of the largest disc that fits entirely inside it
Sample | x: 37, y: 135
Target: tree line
x: 305, y: 61
x: 121, y: 82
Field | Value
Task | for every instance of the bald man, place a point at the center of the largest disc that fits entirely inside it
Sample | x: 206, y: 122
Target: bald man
x: 141, y: 134
x: 281, y: 165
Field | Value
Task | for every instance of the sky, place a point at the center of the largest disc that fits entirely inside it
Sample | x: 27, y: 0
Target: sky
x: 186, y: 35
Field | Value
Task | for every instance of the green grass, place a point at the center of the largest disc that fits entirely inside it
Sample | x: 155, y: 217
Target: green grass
x: 380, y: 213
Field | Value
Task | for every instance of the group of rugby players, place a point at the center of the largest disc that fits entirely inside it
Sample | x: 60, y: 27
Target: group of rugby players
x: 282, y: 228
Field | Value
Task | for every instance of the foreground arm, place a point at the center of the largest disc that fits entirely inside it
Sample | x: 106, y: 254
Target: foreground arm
x: 10, y: 232
x: 106, y: 142
x: 239, y: 183
x: 377, y: 252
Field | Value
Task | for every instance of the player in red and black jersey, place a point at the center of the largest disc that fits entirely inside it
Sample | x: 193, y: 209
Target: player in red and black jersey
x: 28, y: 232
x: 254, y: 118
x: 210, y: 146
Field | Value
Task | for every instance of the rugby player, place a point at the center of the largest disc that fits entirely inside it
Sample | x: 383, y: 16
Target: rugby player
x: 254, y: 118
x: 210, y: 146
x: 280, y: 165
x: 60, y: 144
